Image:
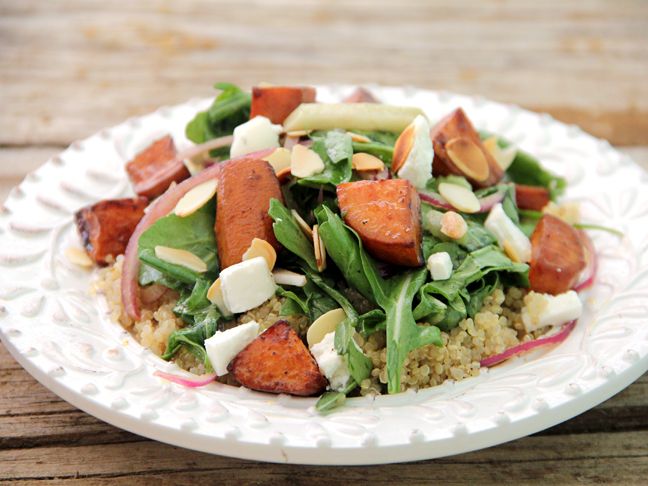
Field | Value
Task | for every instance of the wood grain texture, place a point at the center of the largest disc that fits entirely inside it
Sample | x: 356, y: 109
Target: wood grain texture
x: 71, y: 67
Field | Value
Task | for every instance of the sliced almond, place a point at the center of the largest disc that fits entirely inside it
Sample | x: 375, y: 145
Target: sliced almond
x: 323, y: 325
x: 403, y: 147
x: 459, y: 197
x: 364, y: 162
x: 261, y: 248
x: 319, y: 249
x: 283, y: 175
x: 180, y: 257
x: 453, y: 225
x: 298, y: 133
x: 511, y: 251
x: 356, y: 137
x: 303, y: 225
x: 286, y: 277
x: 78, y: 257
x: 279, y: 159
x: 215, y: 296
x: 304, y: 162
x: 468, y: 157
x: 196, y: 198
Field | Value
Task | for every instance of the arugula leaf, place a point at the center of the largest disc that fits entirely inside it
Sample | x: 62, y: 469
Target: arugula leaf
x: 394, y: 296
x: 345, y: 345
x: 194, y: 233
x: 230, y: 109
x: 290, y: 235
x: 403, y: 334
x: 293, y: 305
x: 149, y: 275
x: 334, y: 399
x: 193, y: 337
x: 338, y: 146
x: 370, y: 322
x: 344, y: 247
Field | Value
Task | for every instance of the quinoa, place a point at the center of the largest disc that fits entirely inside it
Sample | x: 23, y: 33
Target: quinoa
x: 495, y: 328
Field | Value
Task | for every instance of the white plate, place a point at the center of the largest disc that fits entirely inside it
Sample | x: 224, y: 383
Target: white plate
x: 62, y: 336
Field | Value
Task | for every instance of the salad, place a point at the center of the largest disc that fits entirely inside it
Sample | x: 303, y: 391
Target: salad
x: 336, y: 249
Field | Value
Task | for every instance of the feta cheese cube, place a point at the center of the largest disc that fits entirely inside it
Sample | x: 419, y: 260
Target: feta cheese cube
x: 510, y: 238
x: 223, y: 346
x: 440, y: 265
x: 333, y: 366
x: 256, y: 134
x: 417, y: 168
x: 542, y: 310
x: 247, y: 285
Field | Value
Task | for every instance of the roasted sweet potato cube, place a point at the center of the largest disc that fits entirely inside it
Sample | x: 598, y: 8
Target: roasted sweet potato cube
x: 361, y: 95
x: 386, y: 215
x: 531, y: 197
x: 245, y: 187
x: 277, y: 102
x: 106, y: 227
x: 476, y: 163
x: 557, y: 256
x: 154, y: 169
x: 278, y: 362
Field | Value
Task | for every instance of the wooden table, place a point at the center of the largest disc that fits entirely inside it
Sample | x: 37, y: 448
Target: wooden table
x: 71, y: 67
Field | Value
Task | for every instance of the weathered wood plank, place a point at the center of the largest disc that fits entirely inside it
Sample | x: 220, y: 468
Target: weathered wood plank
x: 68, y: 70
x: 573, y: 457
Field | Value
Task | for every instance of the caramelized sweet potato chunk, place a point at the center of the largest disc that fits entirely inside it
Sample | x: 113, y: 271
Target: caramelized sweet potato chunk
x: 245, y: 187
x: 386, y: 215
x: 277, y: 102
x: 106, y: 227
x: 557, y: 256
x: 531, y: 197
x: 360, y: 95
x: 154, y: 169
x: 277, y: 361
x: 482, y: 170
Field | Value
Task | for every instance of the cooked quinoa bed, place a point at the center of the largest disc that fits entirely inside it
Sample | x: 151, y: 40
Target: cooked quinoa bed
x: 495, y: 328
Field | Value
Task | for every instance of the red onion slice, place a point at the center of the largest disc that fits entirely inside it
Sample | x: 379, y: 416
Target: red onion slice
x: 196, y: 382
x: 196, y: 150
x: 435, y: 200
x: 485, y: 203
x: 159, y: 208
x: 559, y: 337
x: 588, y: 275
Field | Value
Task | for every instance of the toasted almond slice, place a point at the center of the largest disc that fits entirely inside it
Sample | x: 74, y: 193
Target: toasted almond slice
x: 303, y: 225
x: 215, y: 296
x: 363, y: 162
x: 196, y: 198
x: 453, y: 225
x: 319, y: 249
x: 460, y: 197
x: 468, y: 157
x: 323, y: 325
x: 512, y: 252
x: 261, y: 248
x: 184, y: 258
x: 286, y: 277
x: 78, y: 257
x: 279, y: 159
x: 304, y: 162
x: 356, y: 137
x: 298, y: 133
x: 403, y: 147
x: 283, y: 175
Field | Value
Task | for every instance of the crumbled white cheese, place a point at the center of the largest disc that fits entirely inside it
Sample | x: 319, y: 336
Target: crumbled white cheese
x: 510, y: 238
x: 223, y: 346
x: 440, y: 265
x: 333, y: 366
x: 256, y: 134
x: 418, y: 166
x: 247, y: 285
x: 542, y: 310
